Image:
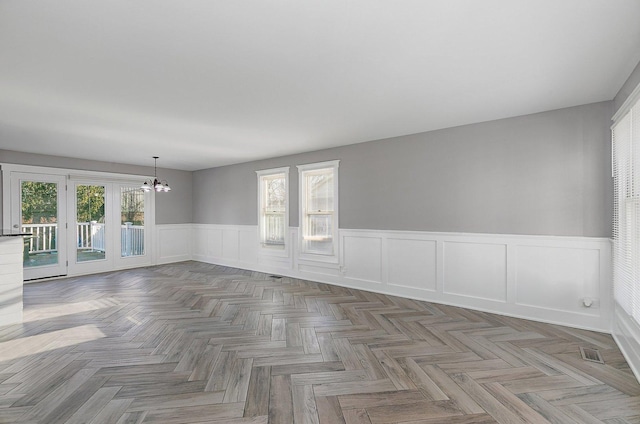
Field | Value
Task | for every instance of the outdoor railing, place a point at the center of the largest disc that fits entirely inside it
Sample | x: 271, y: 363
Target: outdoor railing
x: 89, y: 236
x: 132, y: 239
x: 44, y: 237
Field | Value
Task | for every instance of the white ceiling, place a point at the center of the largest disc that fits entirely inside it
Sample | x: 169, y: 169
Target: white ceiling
x: 203, y: 83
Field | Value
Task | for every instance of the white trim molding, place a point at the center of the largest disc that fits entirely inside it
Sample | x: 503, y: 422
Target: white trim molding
x: 263, y: 249
x: 543, y: 278
x: 626, y: 333
x: 627, y: 105
x: 305, y: 252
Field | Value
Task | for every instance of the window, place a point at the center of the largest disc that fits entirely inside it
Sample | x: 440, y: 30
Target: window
x: 319, y: 208
x: 626, y: 210
x: 273, y: 215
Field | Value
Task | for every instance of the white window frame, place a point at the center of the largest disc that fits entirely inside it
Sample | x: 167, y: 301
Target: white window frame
x: 625, y: 160
x: 263, y: 248
x: 302, y: 199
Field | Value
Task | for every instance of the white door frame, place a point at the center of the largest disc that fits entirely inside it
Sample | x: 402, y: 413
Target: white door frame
x: 15, y: 199
x: 73, y: 177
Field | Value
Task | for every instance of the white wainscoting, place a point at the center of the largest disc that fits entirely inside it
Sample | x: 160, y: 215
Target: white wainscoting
x: 477, y: 270
x: 543, y: 278
x: 173, y: 243
x: 626, y: 333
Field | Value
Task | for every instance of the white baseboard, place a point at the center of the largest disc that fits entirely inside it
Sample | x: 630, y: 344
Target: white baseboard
x: 542, y: 278
x: 626, y: 333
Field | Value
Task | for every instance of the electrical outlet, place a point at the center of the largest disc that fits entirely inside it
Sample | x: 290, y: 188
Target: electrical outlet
x: 590, y: 302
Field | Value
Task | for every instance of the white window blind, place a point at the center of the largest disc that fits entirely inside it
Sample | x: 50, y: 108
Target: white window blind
x: 626, y: 212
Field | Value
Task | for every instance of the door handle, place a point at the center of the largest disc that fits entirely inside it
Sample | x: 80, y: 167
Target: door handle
x: 16, y: 226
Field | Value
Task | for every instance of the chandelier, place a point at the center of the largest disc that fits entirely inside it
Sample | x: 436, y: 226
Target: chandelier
x: 156, y: 184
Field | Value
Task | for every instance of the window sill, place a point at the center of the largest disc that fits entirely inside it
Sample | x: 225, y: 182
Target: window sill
x: 317, y: 238
x: 276, y: 251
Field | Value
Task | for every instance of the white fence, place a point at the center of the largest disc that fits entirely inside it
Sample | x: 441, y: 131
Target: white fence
x: 44, y: 237
x: 132, y: 239
x: 89, y: 236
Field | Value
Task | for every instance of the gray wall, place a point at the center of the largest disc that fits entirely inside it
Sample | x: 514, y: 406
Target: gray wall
x: 175, y: 207
x: 547, y: 174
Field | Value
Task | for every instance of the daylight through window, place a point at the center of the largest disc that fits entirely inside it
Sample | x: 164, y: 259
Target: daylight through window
x: 319, y: 220
x: 273, y: 215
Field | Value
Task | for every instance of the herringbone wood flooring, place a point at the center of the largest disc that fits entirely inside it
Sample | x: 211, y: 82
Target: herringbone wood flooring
x: 198, y: 343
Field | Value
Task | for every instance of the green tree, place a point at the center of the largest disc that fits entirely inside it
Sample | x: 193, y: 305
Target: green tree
x: 39, y: 202
x: 132, y: 206
x: 90, y: 203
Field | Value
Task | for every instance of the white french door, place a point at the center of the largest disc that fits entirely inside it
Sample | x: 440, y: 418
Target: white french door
x: 38, y: 207
x: 110, y: 229
x: 81, y: 223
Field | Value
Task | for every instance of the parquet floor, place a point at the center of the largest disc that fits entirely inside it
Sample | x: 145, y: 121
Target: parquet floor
x: 198, y: 343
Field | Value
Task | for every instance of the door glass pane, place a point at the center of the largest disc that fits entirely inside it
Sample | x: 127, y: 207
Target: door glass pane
x: 131, y: 221
x: 90, y: 222
x: 39, y: 203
